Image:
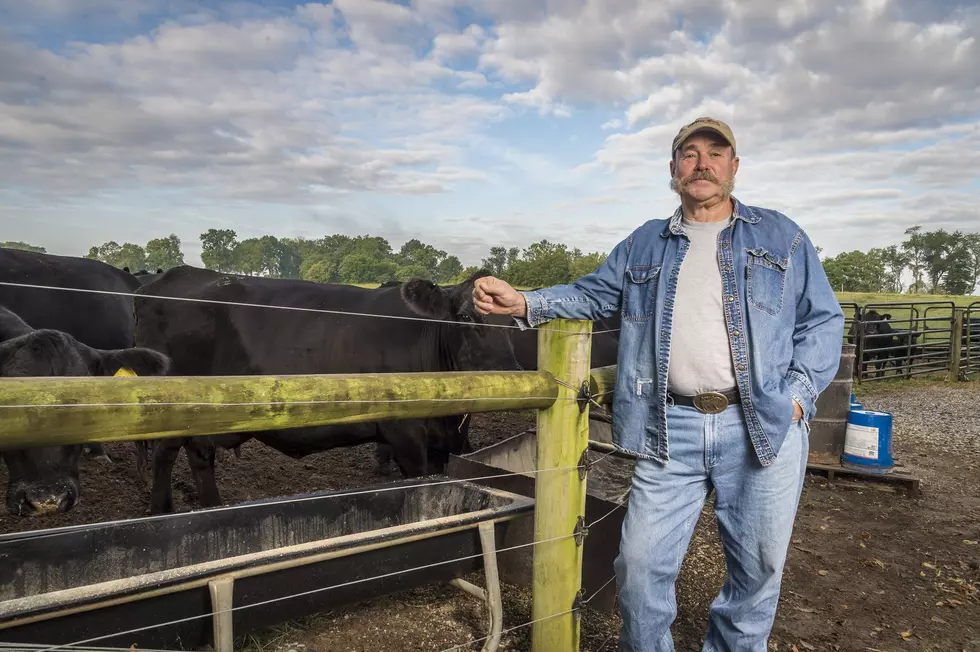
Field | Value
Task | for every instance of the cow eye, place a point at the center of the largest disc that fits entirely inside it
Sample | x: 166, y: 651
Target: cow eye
x: 464, y: 317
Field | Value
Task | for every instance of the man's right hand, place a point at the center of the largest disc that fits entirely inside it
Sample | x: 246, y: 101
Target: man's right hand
x: 493, y: 296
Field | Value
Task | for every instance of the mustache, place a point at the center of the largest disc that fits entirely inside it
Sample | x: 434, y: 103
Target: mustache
x: 700, y: 175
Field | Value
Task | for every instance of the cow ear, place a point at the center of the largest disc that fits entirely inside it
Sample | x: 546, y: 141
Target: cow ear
x: 140, y: 361
x: 11, y: 325
x: 887, y: 316
x: 426, y: 299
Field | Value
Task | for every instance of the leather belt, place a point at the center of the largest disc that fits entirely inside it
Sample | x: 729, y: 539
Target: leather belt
x: 707, y: 402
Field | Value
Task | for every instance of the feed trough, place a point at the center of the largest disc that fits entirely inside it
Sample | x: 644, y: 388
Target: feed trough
x: 206, y: 572
x: 607, y: 486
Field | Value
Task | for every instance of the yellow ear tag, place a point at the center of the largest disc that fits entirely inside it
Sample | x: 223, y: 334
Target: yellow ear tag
x: 123, y: 371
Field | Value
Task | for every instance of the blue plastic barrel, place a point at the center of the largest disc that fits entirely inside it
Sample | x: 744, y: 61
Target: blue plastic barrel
x: 868, y: 441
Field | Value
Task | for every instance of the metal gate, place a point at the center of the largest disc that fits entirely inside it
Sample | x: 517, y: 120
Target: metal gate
x: 970, y: 342
x: 910, y: 339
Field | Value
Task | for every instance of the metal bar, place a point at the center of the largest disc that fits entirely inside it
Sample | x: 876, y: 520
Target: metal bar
x: 954, y: 343
x: 492, y: 579
x: 914, y: 373
x: 107, y: 409
x: 86, y: 598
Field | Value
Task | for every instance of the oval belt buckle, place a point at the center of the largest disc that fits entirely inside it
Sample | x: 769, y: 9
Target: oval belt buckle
x: 711, y: 402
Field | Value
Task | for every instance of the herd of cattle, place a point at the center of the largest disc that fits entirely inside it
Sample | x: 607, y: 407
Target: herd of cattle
x: 221, y: 324
x: 190, y: 321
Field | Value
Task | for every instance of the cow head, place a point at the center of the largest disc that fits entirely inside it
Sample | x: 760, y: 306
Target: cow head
x: 469, y: 343
x: 44, y: 480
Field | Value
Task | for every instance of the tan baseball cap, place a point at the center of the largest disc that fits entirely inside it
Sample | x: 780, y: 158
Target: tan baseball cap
x: 704, y: 124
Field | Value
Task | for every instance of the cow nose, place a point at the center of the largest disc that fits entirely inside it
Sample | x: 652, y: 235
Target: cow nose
x: 43, y: 504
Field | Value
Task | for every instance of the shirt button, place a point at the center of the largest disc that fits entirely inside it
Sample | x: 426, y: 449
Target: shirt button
x: 735, y: 333
x: 730, y: 299
x: 741, y: 367
x: 728, y: 268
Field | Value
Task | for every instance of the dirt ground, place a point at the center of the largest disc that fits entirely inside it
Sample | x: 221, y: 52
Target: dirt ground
x: 870, y: 568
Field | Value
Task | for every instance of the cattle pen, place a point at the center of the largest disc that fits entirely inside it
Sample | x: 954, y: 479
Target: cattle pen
x: 55, y: 411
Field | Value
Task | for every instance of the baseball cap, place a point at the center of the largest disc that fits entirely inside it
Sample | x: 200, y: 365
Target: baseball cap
x: 704, y: 124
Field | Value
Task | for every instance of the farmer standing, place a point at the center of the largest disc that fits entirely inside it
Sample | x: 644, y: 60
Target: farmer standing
x: 730, y: 330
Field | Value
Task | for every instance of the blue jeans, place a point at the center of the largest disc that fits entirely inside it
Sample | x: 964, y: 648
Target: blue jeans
x: 755, y: 508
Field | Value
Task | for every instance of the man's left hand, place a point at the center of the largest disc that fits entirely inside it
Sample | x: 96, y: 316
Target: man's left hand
x: 797, y: 411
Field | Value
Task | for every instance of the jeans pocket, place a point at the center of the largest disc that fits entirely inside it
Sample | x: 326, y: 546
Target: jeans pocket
x: 640, y: 291
x: 765, y: 275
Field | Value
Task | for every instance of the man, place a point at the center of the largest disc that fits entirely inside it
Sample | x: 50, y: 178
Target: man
x: 730, y: 331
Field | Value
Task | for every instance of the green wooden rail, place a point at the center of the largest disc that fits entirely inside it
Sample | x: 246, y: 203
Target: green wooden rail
x: 59, y: 411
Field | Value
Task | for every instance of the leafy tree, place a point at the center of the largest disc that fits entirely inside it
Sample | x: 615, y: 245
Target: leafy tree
x: 583, y: 264
x: 960, y: 278
x: 121, y: 256
x: 318, y: 269
x: 406, y: 272
x: 500, y: 260
x: 218, y: 249
x: 360, y: 268
x: 267, y: 256
x: 895, y: 262
x: 855, y: 271
x: 163, y: 253
x: 971, y: 242
x: 916, y: 256
x: 448, y: 269
x: 23, y: 246
x: 938, y: 247
x: 465, y: 274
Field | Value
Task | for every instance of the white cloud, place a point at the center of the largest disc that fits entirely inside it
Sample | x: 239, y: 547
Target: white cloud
x: 861, y: 115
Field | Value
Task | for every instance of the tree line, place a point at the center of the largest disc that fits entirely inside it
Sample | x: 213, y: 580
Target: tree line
x: 362, y: 259
x: 936, y: 262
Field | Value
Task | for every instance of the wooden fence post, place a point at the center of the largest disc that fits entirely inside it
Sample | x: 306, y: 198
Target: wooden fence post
x: 955, y: 344
x: 564, y: 351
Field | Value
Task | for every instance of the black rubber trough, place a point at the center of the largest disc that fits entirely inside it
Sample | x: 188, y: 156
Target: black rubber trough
x: 211, y: 568
x: 607, y: 487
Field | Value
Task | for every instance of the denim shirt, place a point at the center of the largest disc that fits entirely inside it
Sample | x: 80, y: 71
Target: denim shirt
x: 785, y: 325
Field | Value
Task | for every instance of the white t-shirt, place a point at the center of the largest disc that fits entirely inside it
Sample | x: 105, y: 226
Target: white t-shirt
x: 700, y: 357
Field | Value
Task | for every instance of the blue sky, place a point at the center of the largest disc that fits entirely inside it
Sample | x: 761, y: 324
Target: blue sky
x: 470, y: 124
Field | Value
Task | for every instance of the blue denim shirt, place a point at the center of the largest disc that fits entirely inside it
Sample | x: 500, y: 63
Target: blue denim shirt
x: 785, y: 325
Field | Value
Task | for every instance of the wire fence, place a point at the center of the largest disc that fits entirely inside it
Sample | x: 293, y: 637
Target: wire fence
x: 382, y: 576
x: 242, y: 304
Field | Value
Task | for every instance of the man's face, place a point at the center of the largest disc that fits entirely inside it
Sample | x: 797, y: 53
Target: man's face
x: 703, y: 168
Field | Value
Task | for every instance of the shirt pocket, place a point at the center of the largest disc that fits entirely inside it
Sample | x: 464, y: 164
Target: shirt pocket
x: 640, y: 293
x: 765, y: 275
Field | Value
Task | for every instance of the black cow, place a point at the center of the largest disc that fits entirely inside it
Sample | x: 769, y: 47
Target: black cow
x: 100, y: 320
x: 210, y: 339
x: 44, y: 480
x: 605, y: 350
x: 144, y: 276
x: 880, y: 343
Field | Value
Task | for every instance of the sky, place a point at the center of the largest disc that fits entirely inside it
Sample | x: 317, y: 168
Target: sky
x: 475, y: 123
